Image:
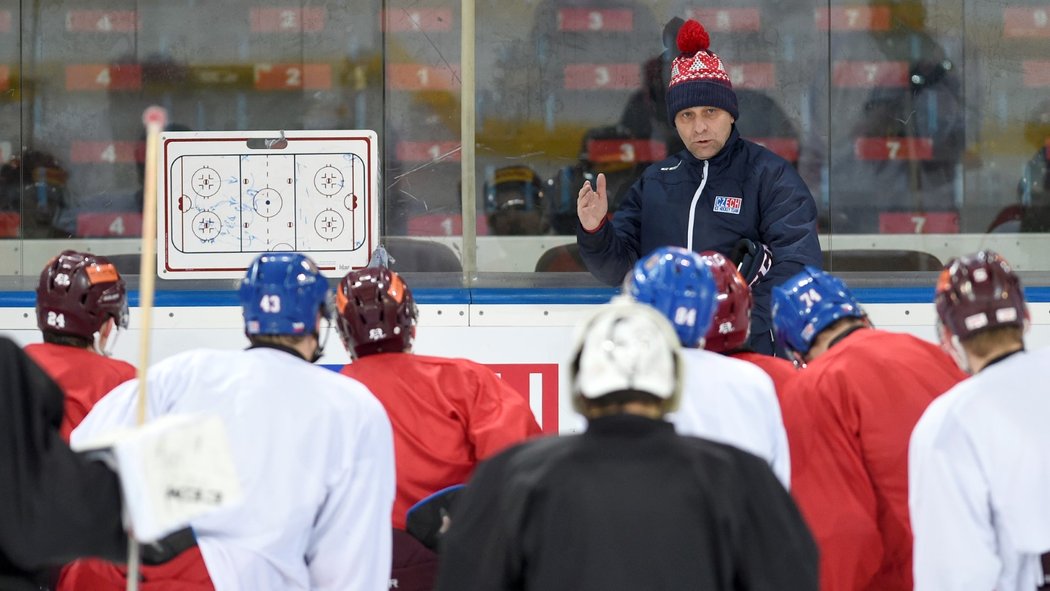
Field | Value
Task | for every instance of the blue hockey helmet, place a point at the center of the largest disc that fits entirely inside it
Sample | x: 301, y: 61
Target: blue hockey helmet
x: 676, y: 282
x: 281, y: 294
x: 808, y: 303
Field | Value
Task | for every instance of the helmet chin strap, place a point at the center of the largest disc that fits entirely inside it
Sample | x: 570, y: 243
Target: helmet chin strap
x: 955, y: 349
x: 319, y: 351
x: 110, y: 339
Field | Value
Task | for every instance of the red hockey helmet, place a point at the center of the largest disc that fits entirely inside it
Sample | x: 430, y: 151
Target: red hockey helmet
x: 977, y: 292
x: 732, y: 322
x: 376, y: 312
x: 78, y: 293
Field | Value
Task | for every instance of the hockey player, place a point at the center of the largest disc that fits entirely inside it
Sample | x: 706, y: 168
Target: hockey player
x: 731, y: 325
x: 629, y: 504
x: 54, y: 504
x: 313, y: 449
x: 978, y: 457
x: 81, y: 303
x: 848, y: 417
x: 57, y: 505
x: 724, y: 399
x: 447, y: 414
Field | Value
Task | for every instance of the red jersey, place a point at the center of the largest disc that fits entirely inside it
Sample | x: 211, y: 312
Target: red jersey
x: 849, y: 416
x: 781, y: 371
x: 447, y: 415
x: 85, y: 377
x: 185, y: 572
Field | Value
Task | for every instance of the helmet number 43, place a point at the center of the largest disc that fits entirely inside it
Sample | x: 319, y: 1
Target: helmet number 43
x: 270, y: 303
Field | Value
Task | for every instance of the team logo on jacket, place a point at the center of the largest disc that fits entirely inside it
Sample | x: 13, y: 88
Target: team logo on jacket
x: 728, y: 204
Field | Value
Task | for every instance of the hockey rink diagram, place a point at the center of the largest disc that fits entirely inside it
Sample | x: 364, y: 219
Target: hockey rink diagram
x: 223, y: 209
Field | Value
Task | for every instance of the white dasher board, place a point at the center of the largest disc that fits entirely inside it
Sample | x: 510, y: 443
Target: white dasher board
x: 224, y: 197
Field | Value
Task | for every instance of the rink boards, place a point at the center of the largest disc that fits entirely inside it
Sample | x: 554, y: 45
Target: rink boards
x: 525, y: 335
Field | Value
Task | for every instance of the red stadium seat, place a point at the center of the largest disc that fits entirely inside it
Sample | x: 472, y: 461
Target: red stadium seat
x: 109, y: 224
x: 9, y: 223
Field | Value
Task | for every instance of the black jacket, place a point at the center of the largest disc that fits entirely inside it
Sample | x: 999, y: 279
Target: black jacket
x: 54, y: 505
x: 748, y: 192
x: 627, y: 505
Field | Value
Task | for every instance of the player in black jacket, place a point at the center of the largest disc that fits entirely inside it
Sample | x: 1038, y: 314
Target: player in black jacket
x: 629, y: 504
x: 55, y: 505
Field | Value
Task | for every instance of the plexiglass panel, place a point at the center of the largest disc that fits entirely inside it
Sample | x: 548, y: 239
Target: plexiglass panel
x: 921, y: 128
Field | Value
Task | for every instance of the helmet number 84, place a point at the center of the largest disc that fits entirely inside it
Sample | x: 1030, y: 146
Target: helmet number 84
x: 685, y: 316
x: 270, y: 303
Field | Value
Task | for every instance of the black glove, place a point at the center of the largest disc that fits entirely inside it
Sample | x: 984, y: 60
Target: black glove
x: 752, y: 259
x: 168, y: 547
x: 426, y: 520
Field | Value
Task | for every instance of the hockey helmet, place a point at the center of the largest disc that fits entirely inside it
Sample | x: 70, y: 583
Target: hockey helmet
x: 281, y: 294
x: 731, y: 324
x: 978, y: 292
x: 808, y: 303
x: 78, y: 292
x: 515, y: 202
x: 626, y: 346
x: 514, y: 188
x: 678, y: 284
x: 376, y: 312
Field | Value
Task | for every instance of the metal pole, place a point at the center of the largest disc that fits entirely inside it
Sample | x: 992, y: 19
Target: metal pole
x: 468, y: 128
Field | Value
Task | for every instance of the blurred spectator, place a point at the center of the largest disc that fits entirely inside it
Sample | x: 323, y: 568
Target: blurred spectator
x: 620, y: 173
x: 891, y: 114
x: 34, y: 185
x: 515, y: 202
x: 1034, y: 187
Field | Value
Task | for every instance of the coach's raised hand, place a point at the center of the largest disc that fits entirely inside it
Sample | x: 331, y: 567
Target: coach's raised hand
x: 592, y: 205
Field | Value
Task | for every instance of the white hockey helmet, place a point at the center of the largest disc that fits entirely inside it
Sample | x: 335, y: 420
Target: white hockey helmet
x: 626, y: 346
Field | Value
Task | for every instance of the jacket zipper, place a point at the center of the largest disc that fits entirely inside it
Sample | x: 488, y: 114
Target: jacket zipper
x: 692, y: 206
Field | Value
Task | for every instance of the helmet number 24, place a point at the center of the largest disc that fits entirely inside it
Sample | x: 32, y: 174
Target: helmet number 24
x: 270, y: 303
x: 58, y: 320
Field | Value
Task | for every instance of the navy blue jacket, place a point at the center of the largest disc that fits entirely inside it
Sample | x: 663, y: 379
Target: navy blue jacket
x: 747, y: 192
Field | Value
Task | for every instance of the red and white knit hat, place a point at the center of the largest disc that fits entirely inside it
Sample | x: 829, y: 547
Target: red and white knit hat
x: 698, y: 78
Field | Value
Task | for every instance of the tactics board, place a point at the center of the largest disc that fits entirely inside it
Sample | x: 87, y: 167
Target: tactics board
x: 225, y: 197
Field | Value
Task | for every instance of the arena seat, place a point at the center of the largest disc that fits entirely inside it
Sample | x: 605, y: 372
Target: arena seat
x: 9, y: 224
x: 421, y: 255
x: 564, y: 258
x: 879, y: 260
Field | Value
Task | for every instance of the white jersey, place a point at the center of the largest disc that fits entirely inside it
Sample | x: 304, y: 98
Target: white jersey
x: 314, y: 455
x: 979, y: 475
x: 733, y: 402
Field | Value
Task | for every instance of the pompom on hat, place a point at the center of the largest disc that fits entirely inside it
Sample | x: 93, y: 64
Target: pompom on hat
x: 698, y: 77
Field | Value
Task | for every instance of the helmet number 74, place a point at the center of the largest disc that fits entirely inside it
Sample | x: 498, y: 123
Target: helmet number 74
x: 809, y: 297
